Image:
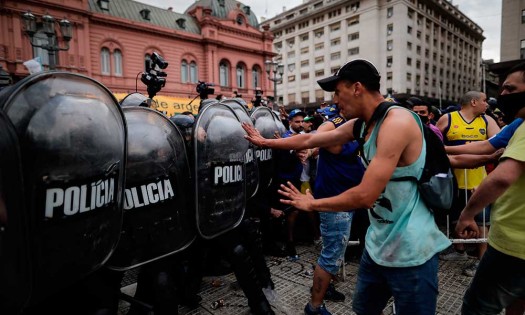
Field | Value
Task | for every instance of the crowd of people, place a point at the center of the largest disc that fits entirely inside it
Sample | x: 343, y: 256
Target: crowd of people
x: 403, y: 242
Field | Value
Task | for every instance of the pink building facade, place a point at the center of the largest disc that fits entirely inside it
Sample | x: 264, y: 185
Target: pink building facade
x: 216, y: 41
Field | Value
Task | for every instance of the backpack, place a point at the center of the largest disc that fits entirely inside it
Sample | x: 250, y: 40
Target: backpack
x: 437, y: 183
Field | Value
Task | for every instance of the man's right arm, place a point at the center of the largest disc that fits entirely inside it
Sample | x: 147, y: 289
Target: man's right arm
x: 337, y: 136
x: 476, y: 147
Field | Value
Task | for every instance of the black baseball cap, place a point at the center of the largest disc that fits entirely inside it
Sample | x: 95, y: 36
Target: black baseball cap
x: 357, y: 70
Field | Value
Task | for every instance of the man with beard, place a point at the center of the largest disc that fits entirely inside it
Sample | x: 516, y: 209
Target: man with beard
x: 499, y: 281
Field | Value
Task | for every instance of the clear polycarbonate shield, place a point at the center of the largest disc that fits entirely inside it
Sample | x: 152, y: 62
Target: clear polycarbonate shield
x: 134, y: 99
x: 72, y: 139
x: 265, y: 124
x: 252, y: 170
x: 220, y: 148
x: 158, y: 212
x: 15, y: 271
x: 279, y: 123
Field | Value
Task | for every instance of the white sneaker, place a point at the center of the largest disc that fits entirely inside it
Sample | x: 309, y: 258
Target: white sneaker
x: 454, y: 256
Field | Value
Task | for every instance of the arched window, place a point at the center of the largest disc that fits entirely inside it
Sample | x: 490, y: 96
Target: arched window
x: 105, y: 67
x: 256, y: 77
x: 184, y: 71
x: 117, y: 62
x: 41, y: 39
x: 224, y: 73
x: 241, y: 76
x: 193, y: 72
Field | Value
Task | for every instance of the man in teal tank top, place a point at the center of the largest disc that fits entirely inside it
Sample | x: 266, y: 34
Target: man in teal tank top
x: 402, y: 242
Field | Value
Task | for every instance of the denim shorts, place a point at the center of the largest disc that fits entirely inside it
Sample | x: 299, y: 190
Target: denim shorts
x: 335, y: 231
x: 499, y: 281
x: 415, y: 289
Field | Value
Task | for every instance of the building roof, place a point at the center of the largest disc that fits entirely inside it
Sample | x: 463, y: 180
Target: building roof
x: 221, y: 11
x: 131, y: 10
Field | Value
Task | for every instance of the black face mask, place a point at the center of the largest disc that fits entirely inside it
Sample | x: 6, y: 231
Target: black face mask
x: 510, y: 105
x: 424, y: 119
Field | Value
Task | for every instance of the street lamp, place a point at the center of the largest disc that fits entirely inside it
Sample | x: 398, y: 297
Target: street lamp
x: 48, y: 27
x: 273, y: 68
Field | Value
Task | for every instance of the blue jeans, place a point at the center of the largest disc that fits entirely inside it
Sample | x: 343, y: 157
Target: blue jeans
x: 414, y: 289
x: 499, y: 280
x: 335, y: 231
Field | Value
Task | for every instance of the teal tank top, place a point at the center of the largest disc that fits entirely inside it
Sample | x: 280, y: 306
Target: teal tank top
x: 402, y: 230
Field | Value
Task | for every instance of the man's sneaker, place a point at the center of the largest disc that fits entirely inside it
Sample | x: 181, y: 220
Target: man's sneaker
x: 470, y: 271
x: 333, y: 295
x: 321, y: 310
x: 454, y: 256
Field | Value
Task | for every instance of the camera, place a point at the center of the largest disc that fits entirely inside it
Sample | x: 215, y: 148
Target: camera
x: 154, y: 78
x: 204, y: 89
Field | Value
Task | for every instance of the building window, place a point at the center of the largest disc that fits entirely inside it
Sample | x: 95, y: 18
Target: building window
x: 304, y: 50
x: 224, y: 74
x: 409, y: 61
x: 117, y: 62
x: 305, y: 97
x: 353, y: 20
x: 184, y: 71
x: 304, y: 37
x: 291, y: 78
x: 256, y: 77
x: 409, y: 29
x: 241, y: 76
x: 353, y: 51
x: 319, y: 95
x: 353, y: 36
x: 409, y: 77
x: 319, y: 32
x: 319, y: 46
x: 193, y: 72
x: 522, y: 16
x: 389, y: 76
x: 522, y: 49
x: 389, y: 12
x: 319, y: 59
x: 389, y: 29
x: 335, y: 56
x: 335, y: 26
x: 409, y: 46
x: 105, y: 67
x: 305, y: 76
x: 390, y: 45
x: 335, y: 42
x: 305, y: 63
x: 389, y: 61
x: 319, y: 73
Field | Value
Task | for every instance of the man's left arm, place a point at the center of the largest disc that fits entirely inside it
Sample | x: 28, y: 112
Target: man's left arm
x: 493, y: 186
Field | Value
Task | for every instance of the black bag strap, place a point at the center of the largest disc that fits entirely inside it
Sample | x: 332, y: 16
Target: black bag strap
x: 358, y: 125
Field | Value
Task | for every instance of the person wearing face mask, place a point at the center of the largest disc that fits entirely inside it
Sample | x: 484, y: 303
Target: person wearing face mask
x: 499, y: 281
x: 424, y: 110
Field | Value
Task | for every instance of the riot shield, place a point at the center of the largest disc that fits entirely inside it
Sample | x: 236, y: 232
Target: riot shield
x: 15, y: 271
x: 158, y: 214
x: 220, y: 148
x: 134, y: 99
x: 252, y: 171
x: 279, y: 123
x: 265, y: 124
x: 72, y: 139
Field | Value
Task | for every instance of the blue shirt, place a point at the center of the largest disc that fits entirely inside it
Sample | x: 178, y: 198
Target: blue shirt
x: 337, y: 173
x: 501, y: 139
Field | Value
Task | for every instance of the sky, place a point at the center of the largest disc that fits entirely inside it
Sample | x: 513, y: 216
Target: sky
x: 485, y: 13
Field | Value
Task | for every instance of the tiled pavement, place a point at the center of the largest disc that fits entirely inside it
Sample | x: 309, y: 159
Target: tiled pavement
x: 293, y: 281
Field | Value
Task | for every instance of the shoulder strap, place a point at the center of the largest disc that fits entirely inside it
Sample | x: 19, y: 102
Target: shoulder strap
x: 358, y: 124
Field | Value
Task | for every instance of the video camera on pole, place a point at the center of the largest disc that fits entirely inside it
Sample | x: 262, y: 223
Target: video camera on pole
x: 154, y: 78
x: 204, y: 89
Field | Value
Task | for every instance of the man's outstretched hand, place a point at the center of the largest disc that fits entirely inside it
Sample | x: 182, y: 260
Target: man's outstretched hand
x: 295, y: 198
x: 253, y: 135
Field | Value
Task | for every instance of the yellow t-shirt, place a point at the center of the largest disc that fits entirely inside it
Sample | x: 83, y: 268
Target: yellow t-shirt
x: 460, y: 132
x: 507, y: 230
